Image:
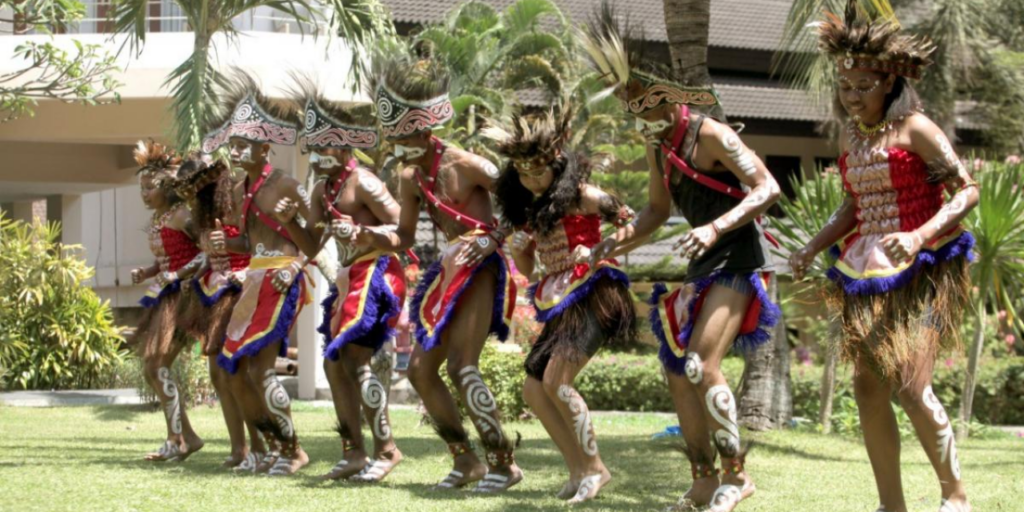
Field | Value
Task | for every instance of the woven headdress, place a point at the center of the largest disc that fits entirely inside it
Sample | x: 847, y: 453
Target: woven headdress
x: 411, y: 92
x: 617, y: 55
x: 857, y: 42
x: 250, y: 115
x: 157, y: 161
x: 196, y: 173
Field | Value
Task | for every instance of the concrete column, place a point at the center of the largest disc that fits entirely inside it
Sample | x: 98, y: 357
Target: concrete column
x: 308, y: 341
x: 72, y: 218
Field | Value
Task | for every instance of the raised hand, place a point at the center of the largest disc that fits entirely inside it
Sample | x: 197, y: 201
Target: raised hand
x: 800, y: 261
x: 900, y: 247
x: 138, y: 275
x: 218, y: 239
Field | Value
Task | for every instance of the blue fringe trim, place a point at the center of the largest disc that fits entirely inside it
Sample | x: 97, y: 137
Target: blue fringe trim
x: 381, y: 306
x: 498, y: 326
x: 327, y: 308
x: 769, y: 317
x: 149, y: 302
x: 676, y: 365
x: 961, y: 246
x: 212, y: 300
x: 580, y: 293
x: 280, y: 331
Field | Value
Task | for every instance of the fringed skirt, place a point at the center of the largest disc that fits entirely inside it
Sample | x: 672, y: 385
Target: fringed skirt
x: 364, y: 304
x: 890, y: 320
x: 262, y: 315
x: 159, y: 328
x: 580, y: 315
x: 679, y: 310
x: 437, y: 295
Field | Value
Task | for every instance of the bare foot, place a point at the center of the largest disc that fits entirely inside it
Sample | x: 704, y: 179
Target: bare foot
x: 285, y: 466
x: 955, y: 504
x: 249, y: 463
x: 353, y: 463
x: 468, y: 469
x: 234, y: 460
x: 734, y: 489
x: 500, y: 479
x: 189, y: 447
x: 590, y: 486
x: 698, y: 495
x: 267, y: 462
x: 379, y: 468
x: 568, y: 490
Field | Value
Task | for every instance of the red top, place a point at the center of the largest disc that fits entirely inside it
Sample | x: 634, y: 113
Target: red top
x: 555, y: 249
x: 179, y: 248
x: 917, y: 199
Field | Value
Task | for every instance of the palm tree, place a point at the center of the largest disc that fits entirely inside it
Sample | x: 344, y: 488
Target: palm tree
x: 194, y: 81
x: 687, y: 23
x: 998, y: 227
x: 494, y: 56
x: 805, y: 215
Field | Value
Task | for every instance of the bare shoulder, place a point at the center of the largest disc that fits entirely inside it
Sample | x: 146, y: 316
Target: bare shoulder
x: 591, y: 197
x: 715, y: 134
x: 471, y: 162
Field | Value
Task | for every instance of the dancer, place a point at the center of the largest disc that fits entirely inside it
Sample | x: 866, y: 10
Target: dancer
x: 210, y: 193
x: 901, y: 274
x: 466, y: 295
x: 158, y: 339
x: 369, y: 290
x: 545, y: 195
x: 274, y: 289
x: 721, y: 187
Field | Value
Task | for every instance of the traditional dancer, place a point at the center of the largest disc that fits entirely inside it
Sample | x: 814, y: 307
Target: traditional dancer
x: 369, y: 291
x: 274, y: 289
x: 466, y: 295
x: 721, y: 187
x: 901, y: 274
x: 545, y: 195
x: 210, y: 193
x: 158, y: 340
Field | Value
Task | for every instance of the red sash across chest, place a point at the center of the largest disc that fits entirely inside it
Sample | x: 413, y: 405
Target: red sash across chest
x: 428, y: 192
x: 250, y: 194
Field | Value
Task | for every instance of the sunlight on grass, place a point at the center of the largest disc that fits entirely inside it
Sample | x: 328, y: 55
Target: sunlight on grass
x: 88, y: 458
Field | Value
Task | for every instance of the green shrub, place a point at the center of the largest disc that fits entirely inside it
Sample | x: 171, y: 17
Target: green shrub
x: 55, y: 333
x: 504, y: 375
x: 190, y: 371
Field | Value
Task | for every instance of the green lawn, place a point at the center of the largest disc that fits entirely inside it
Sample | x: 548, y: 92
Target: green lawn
x: 87, y: 458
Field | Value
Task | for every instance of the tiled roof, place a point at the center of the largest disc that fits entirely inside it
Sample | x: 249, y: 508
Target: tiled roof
x: 768, y: 103
x: 751, y: 24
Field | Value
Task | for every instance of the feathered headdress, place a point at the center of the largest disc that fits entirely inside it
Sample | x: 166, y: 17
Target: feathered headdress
x: 196, y: 173
x: 156, y: 160
x: 857, y: 42
x: 531, y: 137
x: 617, y: 55
x: 411, y: 92
x: 250, y: 115
x: 331, y: 124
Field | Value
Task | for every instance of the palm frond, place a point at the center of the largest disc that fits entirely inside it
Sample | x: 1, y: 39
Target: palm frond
x: 526, y: 15
x: 533, y: 71
x: 816, y: 199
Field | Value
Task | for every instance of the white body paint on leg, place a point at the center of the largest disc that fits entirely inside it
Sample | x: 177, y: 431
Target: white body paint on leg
x: 581, y: 419
x: 947, y: 442
x: 375, y: 398
x: 481, y: 402
x: 722, y: 405
x: 173, y: 408
x: 694, y: 368
x: 277, y: 401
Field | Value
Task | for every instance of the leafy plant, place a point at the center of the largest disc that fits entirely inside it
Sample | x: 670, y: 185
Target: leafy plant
x: 55, y: 333
x: 85, y: 75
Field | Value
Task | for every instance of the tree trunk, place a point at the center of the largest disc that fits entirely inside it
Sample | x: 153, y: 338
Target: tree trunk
x: 766, y: 401
x: 828, y: 378
x: 970, y: 381
x: 687, y: 23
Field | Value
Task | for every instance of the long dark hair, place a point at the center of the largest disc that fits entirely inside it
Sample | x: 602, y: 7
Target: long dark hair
x: 519, y: 207
x: 213, y: 201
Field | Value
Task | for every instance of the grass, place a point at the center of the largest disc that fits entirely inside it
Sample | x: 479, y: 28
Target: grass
x: 87, y: 458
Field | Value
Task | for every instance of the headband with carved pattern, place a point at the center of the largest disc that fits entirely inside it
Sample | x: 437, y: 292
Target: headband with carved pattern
x: 857, y: 42
x: 617, y: 56
x: 412, y: 93
x: 322, y: 130
x: 249, y: 115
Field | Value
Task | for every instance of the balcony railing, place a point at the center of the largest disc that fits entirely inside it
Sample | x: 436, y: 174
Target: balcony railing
x: 166, y: 16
